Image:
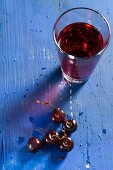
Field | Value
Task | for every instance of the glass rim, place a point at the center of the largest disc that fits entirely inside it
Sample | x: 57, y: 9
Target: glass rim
x: 72, y: 56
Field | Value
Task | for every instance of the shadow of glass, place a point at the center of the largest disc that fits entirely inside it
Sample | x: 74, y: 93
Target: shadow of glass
x: 39, y: 115
x: 50, y: 89
x: 40, y: 118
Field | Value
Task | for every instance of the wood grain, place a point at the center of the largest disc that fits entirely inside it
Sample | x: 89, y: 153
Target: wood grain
x: 29, y: 69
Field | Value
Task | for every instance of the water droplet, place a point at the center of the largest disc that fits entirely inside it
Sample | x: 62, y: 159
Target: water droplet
x: 71, y: 108
x: 14, y: 92
x: 12, y: 161
x: 20, y: 140
x: 81, y: 113
x: 14, y: 59
x: 4, y: 58
x: 104, y: 131
x: 24, y: 95
x: 60, y: 97
x: 31, y: 119
x: 88, y: 165
x: 71, y: 102
x: 72, y: 115
x: 70, y: 97
x: 43, y: 68
x: 62, y: 83
x: 6, y: 94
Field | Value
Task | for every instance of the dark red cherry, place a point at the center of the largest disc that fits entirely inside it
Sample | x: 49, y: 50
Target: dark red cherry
x: 58, y: 115
x: 66, y: 144
x: 65, y: 133
x: 70, y: 125
x: 34, y: 144
x: 52, y: 137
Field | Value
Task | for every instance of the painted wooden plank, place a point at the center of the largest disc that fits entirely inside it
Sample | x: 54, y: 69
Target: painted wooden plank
x: 29, y: 69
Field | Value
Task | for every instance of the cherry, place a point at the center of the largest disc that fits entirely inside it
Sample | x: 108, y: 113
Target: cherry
x: 52, y: 137
x: 34, y: 145
x: 58, y: 115
x: 66, y: 144
x: 70, y: 125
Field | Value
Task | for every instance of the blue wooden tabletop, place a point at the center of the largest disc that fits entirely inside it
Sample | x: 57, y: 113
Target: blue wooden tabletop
x: 29, y: 70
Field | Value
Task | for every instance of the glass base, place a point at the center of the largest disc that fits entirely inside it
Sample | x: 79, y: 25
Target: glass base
x: 73, y: 80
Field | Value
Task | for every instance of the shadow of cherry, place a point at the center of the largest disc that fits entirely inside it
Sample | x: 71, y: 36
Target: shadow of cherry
x: 48, y: 157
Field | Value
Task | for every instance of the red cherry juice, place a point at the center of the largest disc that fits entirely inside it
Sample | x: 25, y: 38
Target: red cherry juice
x: 80, y: 42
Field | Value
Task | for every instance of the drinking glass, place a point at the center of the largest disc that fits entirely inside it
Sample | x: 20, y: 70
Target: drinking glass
x: 81, y: 36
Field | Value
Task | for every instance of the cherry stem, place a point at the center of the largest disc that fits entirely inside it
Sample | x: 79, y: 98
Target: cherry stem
x: 45, y: 103
x: 68, y: 123
x: 63, y: 137
x: 59, y: 138
x: 51, y: 105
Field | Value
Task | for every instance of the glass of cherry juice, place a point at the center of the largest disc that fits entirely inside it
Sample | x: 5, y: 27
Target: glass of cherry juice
x: 81, y: 35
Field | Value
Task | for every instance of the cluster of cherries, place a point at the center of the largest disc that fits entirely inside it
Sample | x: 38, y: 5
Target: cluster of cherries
x: 53, y: 137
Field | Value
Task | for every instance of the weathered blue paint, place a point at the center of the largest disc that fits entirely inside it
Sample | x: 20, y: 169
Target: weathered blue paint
x: 29, y: 69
